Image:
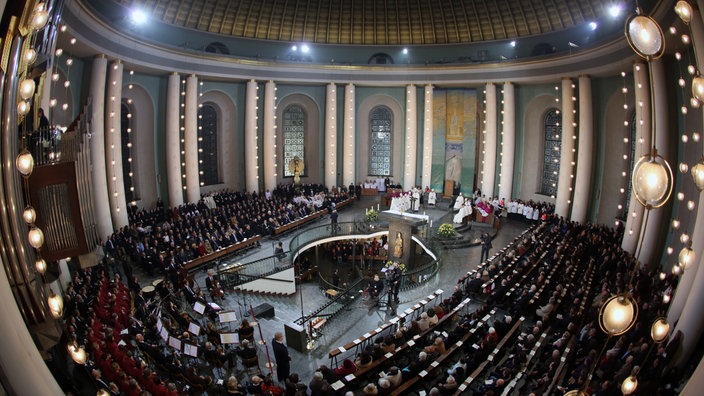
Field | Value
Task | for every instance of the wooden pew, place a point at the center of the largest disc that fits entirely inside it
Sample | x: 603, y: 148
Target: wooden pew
x: 197, y: 262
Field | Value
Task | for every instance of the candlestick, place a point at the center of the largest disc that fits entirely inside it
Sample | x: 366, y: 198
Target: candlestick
x: 377, y: 207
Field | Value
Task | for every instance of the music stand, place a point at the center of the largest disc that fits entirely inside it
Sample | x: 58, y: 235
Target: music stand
x: 194, y: 329
x: 199, y: 307
x: 229, y: 338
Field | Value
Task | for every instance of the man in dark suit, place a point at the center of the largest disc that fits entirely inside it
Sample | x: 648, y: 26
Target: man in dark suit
x: 283, y: 360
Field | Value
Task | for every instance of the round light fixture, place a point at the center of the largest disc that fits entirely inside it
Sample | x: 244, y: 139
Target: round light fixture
x: 77, y: 353
x: 35, y: 237
x: 25, y: 162
x: 40, y: 265
x: 686, y: 257
x: 56, y: 305
x: 698, y: 174
x: 684, y: 11
x: 652, y: 180
x: 698, y: 88
x: 39, y: 19
x: 618, y: 314
x: 645, y: 36
x: 30, y: 55
x: 659, y: 330
x: 27, y: 88
x: 629, y: 385
x: 22, y: 107
x: 29, y: 215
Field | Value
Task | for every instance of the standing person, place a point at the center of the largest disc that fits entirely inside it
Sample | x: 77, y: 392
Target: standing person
x: 279, y: 251
x: 333, y: 221
x: 283, y: 359
x: 486, y: 246
x: 336, y: 278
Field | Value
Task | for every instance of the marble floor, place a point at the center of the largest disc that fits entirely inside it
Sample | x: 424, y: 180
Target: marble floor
x: 358, y: 318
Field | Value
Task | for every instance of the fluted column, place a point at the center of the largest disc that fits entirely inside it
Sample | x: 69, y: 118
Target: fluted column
x: 251, y: 146
x: 113, y: 147
x: 409, y: 172
x: 101, y: 201
x: 331, y: 136
x: 191, y: 139
x: 173, y: 140
x: 269, y: 135
x: 686, y: 281
x: 489, y: 146
x: 585, y: 154
x: 348, y: 151
x: 634, y: 218
x: 427, y: 137
x: 652, y: 245
x: 563, y: 200
x: 508, y: 142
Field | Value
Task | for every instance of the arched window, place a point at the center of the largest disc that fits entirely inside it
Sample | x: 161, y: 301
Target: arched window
x: 294, y: 136
x: 381, y: 127
x: 551, y: 153
x: 126, y: 143
x: 208, y: 145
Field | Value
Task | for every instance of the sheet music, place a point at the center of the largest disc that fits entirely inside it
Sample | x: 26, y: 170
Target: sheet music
x: 227, y: 316
x: 159, y: 325
x: 199, y: 307
x: 175, y: 343
x: 190, y: 350
x: 164, y: 334
x: 230, y: 338
x: 214, y: 306
x: 193, y: 328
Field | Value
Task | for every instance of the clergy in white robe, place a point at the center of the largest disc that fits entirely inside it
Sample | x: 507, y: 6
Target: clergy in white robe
x: 458, y: 202
x: 432, y: 198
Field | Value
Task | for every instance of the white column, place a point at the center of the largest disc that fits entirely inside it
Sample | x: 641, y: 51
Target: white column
x: 113, y: 147
x: 101, y: 200
x: 695, y: 383
x: 20, y: 360
x: 696, y: 26
x: 489, y: 146
x: 634, y: 218
x: 686, y: 281
x: 427, y: 137
x: 508, y: 142
x: 649, y: 254
x: 269, y: 136
x: 563, y: 200
x: 409, y: 172
x: 173, y: 140
x: 331, y: 136
x: 191, y: 139
x: 348, y: 151
x: 251, y: 145
x: 586, y: 152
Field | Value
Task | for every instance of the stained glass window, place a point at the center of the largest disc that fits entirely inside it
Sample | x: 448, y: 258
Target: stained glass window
x: 381, y: 132
x: 551, y: 153
x: 294, y: 136
x: 208, y: 145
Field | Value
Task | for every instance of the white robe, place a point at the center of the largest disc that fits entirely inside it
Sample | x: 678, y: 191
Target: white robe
x: 464, y: 211
x: 432, y: 198
x: 458, y: 202
x: 416, y: 203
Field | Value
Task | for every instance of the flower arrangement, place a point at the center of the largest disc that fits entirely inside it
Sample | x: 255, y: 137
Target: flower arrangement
x: 447, y: 231
x: 371, y: 216
x: 389, y: 264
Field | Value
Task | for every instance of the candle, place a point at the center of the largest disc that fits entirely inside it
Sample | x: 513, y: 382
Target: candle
x: 431, y: 223
x: 377, y: 206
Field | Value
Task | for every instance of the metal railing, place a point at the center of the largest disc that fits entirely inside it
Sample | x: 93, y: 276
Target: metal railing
x: 234, y: 273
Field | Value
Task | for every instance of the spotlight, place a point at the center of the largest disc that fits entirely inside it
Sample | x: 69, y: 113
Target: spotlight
x: 593, y: 25
x: 405, y: 51
x: 138, y: 16
x: 615, y: 10
x: 305, y: 49
x: 513, y: 43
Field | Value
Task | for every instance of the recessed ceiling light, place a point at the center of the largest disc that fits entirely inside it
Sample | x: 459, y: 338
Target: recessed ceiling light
x: 513, y: 43
x: 593, y: 25
x: 405, y: 51
x: 305, y: 48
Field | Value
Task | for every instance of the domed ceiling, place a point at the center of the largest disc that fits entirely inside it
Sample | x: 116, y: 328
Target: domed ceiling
x: 378, y: 22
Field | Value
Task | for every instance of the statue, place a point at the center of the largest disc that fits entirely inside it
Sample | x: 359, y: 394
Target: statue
x: 398, y: 245
x: 296, y: 167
